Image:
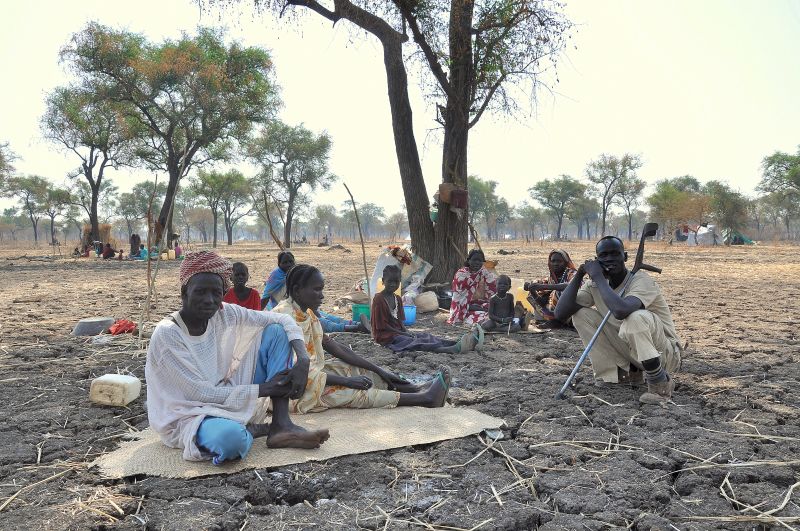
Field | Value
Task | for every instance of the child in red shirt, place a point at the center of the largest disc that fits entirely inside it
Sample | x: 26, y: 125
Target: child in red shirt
x: 240, y: 294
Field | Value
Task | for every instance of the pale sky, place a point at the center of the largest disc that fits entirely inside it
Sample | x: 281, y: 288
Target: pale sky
x: 706, y: 88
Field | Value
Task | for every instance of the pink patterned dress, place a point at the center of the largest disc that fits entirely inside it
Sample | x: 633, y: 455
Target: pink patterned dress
x: 471, y: 288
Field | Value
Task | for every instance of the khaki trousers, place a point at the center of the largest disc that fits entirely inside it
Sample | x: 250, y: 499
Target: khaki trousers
x: 637, y: 338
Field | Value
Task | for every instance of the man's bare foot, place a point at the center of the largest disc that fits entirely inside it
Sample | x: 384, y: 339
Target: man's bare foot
x: 258, y: 430
x: 440, y: 387
x: 294, y: 436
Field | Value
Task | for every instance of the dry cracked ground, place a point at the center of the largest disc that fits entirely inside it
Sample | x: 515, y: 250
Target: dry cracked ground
x: 722, y: 455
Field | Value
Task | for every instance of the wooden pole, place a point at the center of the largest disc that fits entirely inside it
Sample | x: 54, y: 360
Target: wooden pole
x: 361, y: 236
x: 269, y: 222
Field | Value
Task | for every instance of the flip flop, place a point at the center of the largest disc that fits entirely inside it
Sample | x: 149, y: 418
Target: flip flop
x: 468, y: 342
x: 445, y: 382
x: 481, y: 336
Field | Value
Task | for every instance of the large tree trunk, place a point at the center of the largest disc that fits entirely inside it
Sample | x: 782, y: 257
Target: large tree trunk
x: 93, y: 216
x: 405, y: 144
x: 34, y: 224
x: 451, y: 230
x: 164, y: 221
x: 630, y: 225
x: 52, y: 229
x: 229, y: 229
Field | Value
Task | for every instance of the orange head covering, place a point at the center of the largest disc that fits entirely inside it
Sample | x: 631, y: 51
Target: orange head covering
x: 565, y: 256
x: 206, y: 262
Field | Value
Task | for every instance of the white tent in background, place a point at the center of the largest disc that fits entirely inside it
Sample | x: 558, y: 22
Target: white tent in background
x: 704, y: 236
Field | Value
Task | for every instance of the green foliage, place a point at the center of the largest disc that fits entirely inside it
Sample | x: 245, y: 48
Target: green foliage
x: 7, y: 158
x: 629, y: 196
x: 686, y: 183
x: 727, y: 206
x: 556, y: 196
x: 782, y: 207
x: 484, y: 202
x: 11, y: 221
x: 234, y: 200
x: 94, y: 129
x: 781, y: 172
x: 31, y: 191
x: 133, y: 206
x: 324, y: 220
x: 605, y: 173
x: 82, y: 193
x: 396, y: 223
x: 513, y: 42
x: 54, y: 204
x: 292, y: 160
x: 209, y: 186
x: 371, y: 216
x: 677, y: 201
x: 583, y: 210
x: 185, y: 100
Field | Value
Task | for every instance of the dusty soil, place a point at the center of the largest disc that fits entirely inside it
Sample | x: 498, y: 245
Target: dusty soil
x: 597, y: 460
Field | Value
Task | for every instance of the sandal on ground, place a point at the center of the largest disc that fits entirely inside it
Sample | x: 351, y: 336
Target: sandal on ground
x: 445, y: 378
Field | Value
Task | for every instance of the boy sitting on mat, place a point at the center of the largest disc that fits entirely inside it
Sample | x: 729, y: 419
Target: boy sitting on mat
x: 387, y: 318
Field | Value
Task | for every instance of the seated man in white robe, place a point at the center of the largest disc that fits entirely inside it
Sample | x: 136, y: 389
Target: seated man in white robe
x: 209, y: 363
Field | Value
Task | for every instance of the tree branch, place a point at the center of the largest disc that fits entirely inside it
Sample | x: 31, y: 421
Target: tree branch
x: 487, y: 99
x: 419, y: 38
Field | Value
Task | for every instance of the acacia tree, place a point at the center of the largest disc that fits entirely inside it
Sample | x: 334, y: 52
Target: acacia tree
x: 81, y: 194
x: 54, y: 204
x: 31, y: 191
x: 396, y: 224
x: 677, y: 201
x: 605, y: 174
x: 370, y: 215
x: 781, y: 172
x: 727, y: 206
x: 629, y: 197
x: 583, y: 210
x: 187, y: 100
x: 7, y: 158
x: 94, y: 129
x: 234, y: 199
x: 133, y: 206
x: 292, y: 159
x: 556, y: 196
x: 475, y: 57
x: 324, y: 218
x: 531, y: 217
x: 209, y: 186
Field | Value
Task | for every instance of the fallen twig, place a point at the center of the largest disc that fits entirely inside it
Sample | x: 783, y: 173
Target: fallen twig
x: 27, y: 487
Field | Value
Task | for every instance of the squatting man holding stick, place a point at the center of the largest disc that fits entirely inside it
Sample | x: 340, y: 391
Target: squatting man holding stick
x: 639, y: 337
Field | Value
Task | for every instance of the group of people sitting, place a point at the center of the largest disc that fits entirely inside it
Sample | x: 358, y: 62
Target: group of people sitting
x: 209, y: 363
x: 107, y: 252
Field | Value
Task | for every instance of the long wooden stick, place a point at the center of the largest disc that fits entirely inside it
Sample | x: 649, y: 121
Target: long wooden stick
x: 474, y: 235
x: 269, y: 222
x: 361, y: 236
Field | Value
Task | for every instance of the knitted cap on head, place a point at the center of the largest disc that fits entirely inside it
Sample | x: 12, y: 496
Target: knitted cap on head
x: 206, y: 262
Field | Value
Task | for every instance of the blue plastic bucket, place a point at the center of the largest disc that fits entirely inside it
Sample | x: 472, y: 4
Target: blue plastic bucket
x: 411, y: 314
